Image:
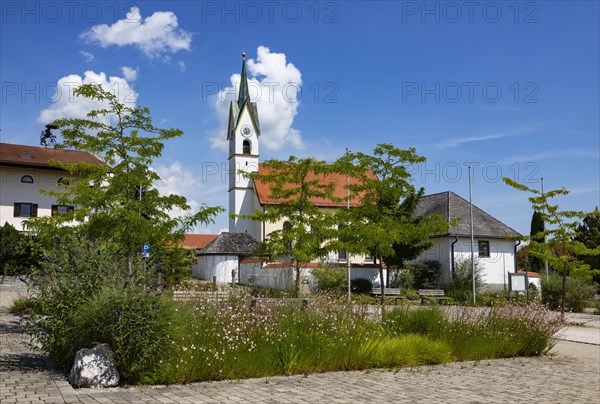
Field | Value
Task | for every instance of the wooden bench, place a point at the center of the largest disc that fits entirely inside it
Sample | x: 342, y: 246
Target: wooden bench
x: 437, y: 294
x: 388, y: 291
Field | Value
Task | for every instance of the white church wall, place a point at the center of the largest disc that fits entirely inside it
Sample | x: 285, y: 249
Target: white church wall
x: 220, y: 266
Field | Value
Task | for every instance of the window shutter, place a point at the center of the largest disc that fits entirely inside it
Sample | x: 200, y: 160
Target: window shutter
x: 17, y: 211
x: 34, y: 207
x: 54, y: 210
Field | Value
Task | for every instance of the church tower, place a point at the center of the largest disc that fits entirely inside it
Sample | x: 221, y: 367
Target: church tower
x: 243, y: 132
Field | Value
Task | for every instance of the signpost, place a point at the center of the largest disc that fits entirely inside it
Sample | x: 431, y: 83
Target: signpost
x: 146, y: 251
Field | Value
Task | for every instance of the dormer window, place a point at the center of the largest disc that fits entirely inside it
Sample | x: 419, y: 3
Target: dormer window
x: 27, y: 179
x: 246, y: 147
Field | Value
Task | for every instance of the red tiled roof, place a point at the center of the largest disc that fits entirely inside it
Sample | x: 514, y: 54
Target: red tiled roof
x: 35, y: 156
x: 263, y: 190
x: 197, y: 241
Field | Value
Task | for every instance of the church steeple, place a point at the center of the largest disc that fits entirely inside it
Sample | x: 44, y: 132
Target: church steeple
x: 244, y: 95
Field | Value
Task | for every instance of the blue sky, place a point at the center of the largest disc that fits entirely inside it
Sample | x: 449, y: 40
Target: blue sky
x: 510, y: 88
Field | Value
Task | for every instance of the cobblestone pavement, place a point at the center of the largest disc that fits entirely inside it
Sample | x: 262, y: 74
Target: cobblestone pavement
x: 570, y: 375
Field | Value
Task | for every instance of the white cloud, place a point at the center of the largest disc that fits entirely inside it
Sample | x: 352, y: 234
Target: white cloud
x: 274, y: 88
x: 130, y: 73
x: 87, y: 56
x: 66, y: 105
x: 181, y: 65
x: 154, y: 35
x: 174, y: 179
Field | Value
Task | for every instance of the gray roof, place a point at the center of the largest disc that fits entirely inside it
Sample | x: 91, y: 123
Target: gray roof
x: 231, y: 244
x: 452, y: 206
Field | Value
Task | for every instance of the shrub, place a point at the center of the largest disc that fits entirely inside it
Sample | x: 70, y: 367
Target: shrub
x: 402, y: 279
x: 133, y: 321
x: 18, y: 251
x: 579, y: 293
x: 25, y: 306
x: 460, y: 287
x: 361, y: 286
x: 75, y: 284
x: 333, y: 278
x: 426, y: 274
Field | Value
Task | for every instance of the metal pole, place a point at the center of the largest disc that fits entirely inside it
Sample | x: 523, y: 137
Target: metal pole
x: 545, y: 261
x: 347, y: 224
x: 472, y: 237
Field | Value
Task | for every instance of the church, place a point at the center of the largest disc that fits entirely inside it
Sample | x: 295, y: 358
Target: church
x: 495, y: 252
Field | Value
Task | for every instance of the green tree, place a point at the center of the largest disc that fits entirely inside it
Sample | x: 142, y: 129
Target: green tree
x: 382, y: 221
x: 589, y: 234
x: 18, y: 251
x: 310, y: 232
x: 537, y: 231
x: 117, y: 200
x: 558, y: 243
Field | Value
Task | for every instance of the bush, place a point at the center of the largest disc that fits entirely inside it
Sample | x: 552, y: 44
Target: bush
x: 460, y: 287
x: 426, y: 274
x: 402, y: 279
x: 361, y: 286
x: 579, y: 293
x: 18, y: 251
x: 332, y: 278
x: 24, y: 306
x: 86, y: 291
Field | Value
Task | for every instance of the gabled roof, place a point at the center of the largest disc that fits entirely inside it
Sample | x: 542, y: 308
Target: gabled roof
x: 39, y: 157
x: 197, y: 241
x: 452, y: 206
x: 263, y: 190
x: 231, y: 244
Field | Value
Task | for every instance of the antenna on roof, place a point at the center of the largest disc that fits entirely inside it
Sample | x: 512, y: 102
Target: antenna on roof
x: 47, y: 136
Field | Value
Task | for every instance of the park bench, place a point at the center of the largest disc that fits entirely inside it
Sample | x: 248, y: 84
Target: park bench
x: 389, y: 292
x: 431, y: 294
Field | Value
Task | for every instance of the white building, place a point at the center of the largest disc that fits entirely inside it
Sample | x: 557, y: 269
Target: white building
x: 24, y: 171
x: 493, y: 251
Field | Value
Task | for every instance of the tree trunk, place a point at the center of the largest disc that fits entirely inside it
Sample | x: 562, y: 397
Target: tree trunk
x: 297, y: 285
x: 381, y: 280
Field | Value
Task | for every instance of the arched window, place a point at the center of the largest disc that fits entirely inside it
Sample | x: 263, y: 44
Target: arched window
x: 246, y: 147
x: 63, y: 181
x: 27, y: 179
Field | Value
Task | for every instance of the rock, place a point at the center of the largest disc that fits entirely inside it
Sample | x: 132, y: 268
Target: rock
x: 94, y: 367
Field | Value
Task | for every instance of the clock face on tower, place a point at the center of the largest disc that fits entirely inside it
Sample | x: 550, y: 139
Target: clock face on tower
x: 246, y: 131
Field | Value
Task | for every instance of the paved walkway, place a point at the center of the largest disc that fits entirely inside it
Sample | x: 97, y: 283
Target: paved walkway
x: 570, y: 375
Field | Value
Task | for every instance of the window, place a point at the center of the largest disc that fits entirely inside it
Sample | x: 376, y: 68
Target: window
x: 25, y: 209
x: 247, y: 147
x: 368, y: 258
x: 63, y: 181
x: 484, y: 249
x: 27, y: 179
x: 61, y: 209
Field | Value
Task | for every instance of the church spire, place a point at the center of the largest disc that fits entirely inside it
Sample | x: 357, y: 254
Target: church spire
x: 244, y: 93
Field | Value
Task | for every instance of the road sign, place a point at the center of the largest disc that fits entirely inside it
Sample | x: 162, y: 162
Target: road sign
x: 146, y: 248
